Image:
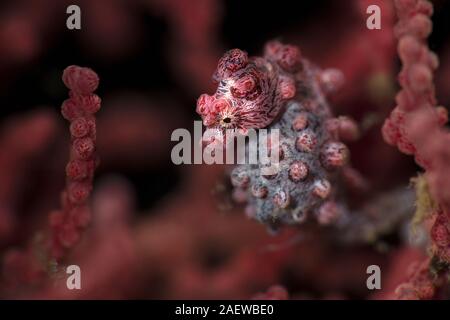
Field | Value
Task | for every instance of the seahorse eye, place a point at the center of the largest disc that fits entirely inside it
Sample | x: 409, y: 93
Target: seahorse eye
x: 227, y: 121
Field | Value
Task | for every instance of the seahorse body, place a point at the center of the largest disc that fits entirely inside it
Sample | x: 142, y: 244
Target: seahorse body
x: 282, y: 91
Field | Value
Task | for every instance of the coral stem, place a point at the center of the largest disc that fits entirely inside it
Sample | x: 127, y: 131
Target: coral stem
x: 66, y: 224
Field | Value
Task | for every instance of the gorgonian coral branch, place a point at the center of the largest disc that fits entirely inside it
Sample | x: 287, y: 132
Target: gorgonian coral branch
x: 80, y: 110
x: 416, y: 80
x: 29, y: 266
x: 415, y: 127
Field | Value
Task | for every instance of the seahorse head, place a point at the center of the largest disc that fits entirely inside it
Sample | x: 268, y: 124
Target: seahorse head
x: 251, y: 91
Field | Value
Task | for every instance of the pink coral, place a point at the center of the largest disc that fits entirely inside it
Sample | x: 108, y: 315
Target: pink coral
x: 415, y: 125
x: 175, y: 241
x: 79, y: 109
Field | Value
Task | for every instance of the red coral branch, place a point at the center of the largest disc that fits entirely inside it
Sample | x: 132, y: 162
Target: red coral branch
x: 415, y: 127
x: 79, y: 109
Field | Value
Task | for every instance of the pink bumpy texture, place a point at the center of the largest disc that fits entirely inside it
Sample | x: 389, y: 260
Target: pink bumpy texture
x: 68, y: 222
x: 415, y: 126
x: 283, y: 91
x: 415, y: 78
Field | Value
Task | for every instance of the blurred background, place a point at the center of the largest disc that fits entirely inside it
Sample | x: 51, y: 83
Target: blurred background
x: 166, y: 231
